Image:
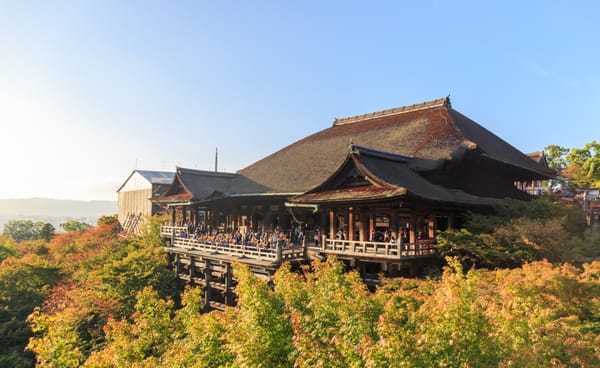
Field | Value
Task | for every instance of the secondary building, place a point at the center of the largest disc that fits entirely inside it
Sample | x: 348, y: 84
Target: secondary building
x: 136, y: 194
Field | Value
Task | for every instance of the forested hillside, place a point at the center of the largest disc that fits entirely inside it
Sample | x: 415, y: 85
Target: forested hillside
x: 94, y: 299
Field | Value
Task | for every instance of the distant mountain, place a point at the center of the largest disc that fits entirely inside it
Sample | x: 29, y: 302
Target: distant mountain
x: 54, y: 211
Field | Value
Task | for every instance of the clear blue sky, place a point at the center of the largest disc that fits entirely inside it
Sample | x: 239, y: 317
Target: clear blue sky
x: 89, y: 88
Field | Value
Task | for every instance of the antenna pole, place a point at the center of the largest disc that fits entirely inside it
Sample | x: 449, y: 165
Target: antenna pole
x: 216, y: 157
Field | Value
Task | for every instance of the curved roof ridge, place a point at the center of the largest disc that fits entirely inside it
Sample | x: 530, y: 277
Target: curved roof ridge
x: 393, y: 111
x: 362, y: 150
x: 189, y: 171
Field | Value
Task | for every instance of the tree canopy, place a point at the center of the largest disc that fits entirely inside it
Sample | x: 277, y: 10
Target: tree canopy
x: 577, y: 167
x: 72, y: 225
x: 21, y: 230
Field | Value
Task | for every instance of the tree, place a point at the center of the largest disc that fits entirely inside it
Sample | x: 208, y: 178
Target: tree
x: 519, y: 232
x: 576, y: 167
x: 47, y: 232
x: 584, y: 165
x: 21, y: 230
x: 24, y: 283
x: 7, y: 248
x: 333, y: 315
x: 73, y: 225
x: 141, y: 342
x: 261, y: 335
x: 107, y: 220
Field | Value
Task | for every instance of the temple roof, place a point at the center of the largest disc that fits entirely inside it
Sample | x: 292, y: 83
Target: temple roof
x: 539, y: 157
x: 195, y: 185
x: 431, y: 130
x: 386, y: 176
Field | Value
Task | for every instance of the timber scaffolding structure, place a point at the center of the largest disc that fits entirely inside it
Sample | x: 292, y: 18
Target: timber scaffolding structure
x: 371, y: 190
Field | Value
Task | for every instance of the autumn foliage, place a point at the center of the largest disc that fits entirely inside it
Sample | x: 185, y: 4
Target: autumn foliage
x: 96, y: 299
x: 539, y: 315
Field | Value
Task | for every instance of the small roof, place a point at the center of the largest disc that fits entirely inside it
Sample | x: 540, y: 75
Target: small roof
x: 196, y: 185
x: 539, y: 157
x: 153, y: 177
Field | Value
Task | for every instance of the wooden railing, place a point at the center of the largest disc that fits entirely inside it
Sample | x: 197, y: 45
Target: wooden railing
x: 419, y: 249
x: 378, y: 250
x: 180, y: 239
x: 168, y: 230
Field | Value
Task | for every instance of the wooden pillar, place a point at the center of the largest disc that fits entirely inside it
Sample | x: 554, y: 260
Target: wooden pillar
x: 207, y: 289
x: 371, y: 224
x: 184, y: 210
x: 279, y: 250
x: 173, y: 215
x: 228, y: 291
x: 394, y: 223
x: 350, y: 224
x: 413, y: 225
x: 431, y: 226
x: 322, y: 223
x: 177, y: 264
x: 191, y: 270
x: 362, y: 228
x: 450, y: 221
x: 420, y: 225
x: 331, y: 224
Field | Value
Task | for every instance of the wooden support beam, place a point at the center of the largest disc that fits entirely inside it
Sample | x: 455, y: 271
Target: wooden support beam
x: 207, y: 279
x: 371, y: 224
x: 431, y: 226
x: 362, y: 232
x: 192, y: 271
x: 350, y: 224
x: 177, y: 264
x: 412, y: 231
x: 228, y: 289
x: 394, y: 223
x: 331, y: 224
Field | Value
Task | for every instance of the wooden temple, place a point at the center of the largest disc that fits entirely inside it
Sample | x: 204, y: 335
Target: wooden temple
x: 371, y: 190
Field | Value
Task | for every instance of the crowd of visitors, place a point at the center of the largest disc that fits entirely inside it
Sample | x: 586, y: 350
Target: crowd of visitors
x: 268, y: 239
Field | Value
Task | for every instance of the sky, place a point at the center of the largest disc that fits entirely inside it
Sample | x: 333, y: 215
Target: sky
x: 91, y: 90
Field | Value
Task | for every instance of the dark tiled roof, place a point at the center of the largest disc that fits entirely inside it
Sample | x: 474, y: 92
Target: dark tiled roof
x: 393, y: 177
x: 198, y: 184
x: 430, y: 130
x: 496, y: 148
x: 539, y: 157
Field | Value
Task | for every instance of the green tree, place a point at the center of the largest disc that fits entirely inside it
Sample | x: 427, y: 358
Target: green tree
x: 7, y: 248
x: 333, y: 315
x: 518, y: 232
x: 47, y: 232
x: 584, y: 165
x: 72, y: 225
x: 200, y: 339
x: 261, y: 332
x: 576, y: 167
x: 24, y: 283
x: 107, y: 220
x: 142, y: 342
x: 21, y: 230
